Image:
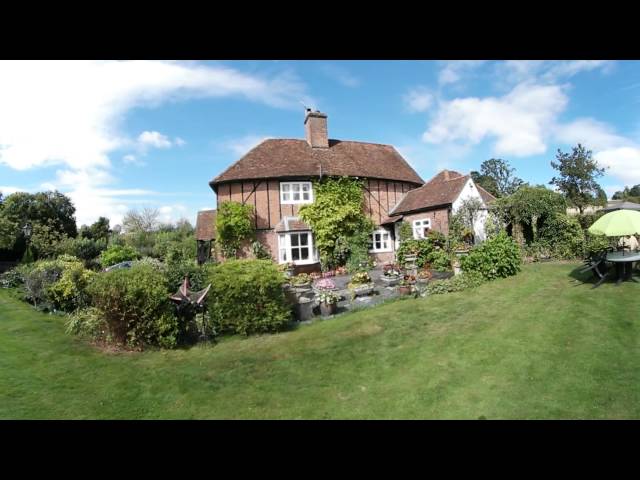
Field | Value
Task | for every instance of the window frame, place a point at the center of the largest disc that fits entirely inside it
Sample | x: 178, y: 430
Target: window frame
x: 420, y: 223
x: 382, y: 249
x: 285, y: 248
x: 290, y: 191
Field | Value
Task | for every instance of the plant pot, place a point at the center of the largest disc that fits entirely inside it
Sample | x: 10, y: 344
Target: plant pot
x: 327, y: 309
x: 423, y: 281
x: 363, y: 290
x: 304, y: 309
x: 405, y: 289
x: 390, y: 281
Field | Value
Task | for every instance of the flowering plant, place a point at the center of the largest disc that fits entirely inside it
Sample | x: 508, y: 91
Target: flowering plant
x: 408, y: 280
x: 328, y: 297
x: 341, y: 270
x: 301, y: 279
x: 424, y: 274
x: 361, y: 278
x: 325, y: 284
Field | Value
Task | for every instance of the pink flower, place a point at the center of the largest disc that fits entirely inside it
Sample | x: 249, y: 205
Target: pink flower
x: 325, y: 284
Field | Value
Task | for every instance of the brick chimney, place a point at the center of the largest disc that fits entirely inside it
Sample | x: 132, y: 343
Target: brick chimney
x: 315, y: 129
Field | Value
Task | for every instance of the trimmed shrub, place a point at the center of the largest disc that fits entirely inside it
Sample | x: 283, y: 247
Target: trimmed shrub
x: 136, y: 308
x: 85, y: 249
x: 495, y: 258
x: 87, y: 323
x: 247, y: 297
x: 118, y: 253
x: 39, y: 278
x: 596, y: 244
x: 457, y: 283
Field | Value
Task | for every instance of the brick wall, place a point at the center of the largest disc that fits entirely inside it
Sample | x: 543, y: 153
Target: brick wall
x: 439, y: 219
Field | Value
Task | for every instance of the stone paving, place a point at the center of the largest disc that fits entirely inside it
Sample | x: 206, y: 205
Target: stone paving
x: 381, y: 292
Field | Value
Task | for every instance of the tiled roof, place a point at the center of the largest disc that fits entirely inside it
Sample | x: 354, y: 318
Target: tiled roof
x: 277, y: 158
x: 291, y: 224
x: 487, y: 198
x: 206, y: 225
x: 443, y: 189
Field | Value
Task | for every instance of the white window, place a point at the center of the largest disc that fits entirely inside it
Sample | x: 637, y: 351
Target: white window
x: 296, y: 248
x: 421, y: 227
x: 380, y: 241
x: 296, y: 192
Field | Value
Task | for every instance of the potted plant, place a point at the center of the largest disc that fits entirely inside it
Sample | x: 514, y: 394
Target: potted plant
x: 406, y: 285
x: 390, y: 274
x: 328, y: 302
x: 360, y: 284
x: 301, y: 281
x: 341, y: 271
x: 287, y: 269
x: 424, y: 276
x: 324, y: 284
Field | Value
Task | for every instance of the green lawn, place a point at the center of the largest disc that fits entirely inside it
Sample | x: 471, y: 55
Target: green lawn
x: 539, y: 345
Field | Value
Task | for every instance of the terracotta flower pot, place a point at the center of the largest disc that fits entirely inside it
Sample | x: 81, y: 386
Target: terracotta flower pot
x: 404, y: 289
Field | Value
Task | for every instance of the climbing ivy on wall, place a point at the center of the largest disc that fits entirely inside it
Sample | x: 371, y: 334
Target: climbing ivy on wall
x: 337, y: 218
x: 234, y: 224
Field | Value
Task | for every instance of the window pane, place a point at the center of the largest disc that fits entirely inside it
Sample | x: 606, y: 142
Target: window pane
x: 304, y: 253
x: 305, y: 187
x: 295, y: 187
x: 294, y: 240
x: 285, y: 187
x: 295, y: 254
x: 283, y: 254
x: 296, y: 196
x: 304, y: 239
x: 305, y: 195
x: 285, y: 197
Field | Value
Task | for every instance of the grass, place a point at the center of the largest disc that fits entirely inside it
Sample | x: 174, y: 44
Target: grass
x: 539, y: 345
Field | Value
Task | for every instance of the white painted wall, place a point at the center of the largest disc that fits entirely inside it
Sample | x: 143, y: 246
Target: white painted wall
x: 470, y: 191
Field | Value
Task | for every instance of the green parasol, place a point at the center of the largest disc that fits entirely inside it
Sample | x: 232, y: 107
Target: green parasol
x: 617, y: 224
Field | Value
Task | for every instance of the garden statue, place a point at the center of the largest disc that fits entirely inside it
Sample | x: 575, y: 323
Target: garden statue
x: 189, y: 304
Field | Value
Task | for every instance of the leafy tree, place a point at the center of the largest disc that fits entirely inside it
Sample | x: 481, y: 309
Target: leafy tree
x: 98, y: 230
x: 631, y: 194
x: 46, y: 239
x: 234, y: 224
x: 497, y: 177
x: 577, y: 177
x: 23, y: 211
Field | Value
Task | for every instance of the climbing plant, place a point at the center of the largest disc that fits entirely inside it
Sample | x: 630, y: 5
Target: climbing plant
x: 234, y: 224
x: 337, y: 219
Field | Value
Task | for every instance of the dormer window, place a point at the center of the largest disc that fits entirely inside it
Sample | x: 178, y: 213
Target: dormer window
x: 296, y: 193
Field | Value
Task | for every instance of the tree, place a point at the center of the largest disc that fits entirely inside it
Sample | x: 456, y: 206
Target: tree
x: 22, y: 212
x: 632, y: 194
x: 578, y: 171
x: 497, y: 177
x: 98, y: 230
x: 144, y: 221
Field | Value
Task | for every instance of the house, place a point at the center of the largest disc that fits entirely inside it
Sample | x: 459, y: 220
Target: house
x: 431, y: 205
x: 276, y: 178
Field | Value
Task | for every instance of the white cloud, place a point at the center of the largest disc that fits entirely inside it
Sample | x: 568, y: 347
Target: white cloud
x: 133, y: 160
x: 7, y: 190
x: 518, y: 121
x: 69, y: 113
x: 453, y: 70
x: 418, y: 99
x: 517, y: 71
x: 591, y: 133
x: 179, y: 142
x: 622, y: 163
x: 242, y: 145
x: 153, y: 140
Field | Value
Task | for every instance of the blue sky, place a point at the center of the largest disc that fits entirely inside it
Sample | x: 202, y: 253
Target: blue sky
x: 122, y: 135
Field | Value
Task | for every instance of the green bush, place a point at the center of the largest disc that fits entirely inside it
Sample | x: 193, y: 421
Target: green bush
x: 40, y: 277
x: 118, y: 253
x: 85, y: 249
x: 495, y: 258
x: 11, y: 279
x: 247, y: 297
x: 70, y: 291
x: 596, y: 244
x: 136, y: 308
x: 198, y: 275
x: 89, y: 323
x: 563, y: 235
x: 457, y: 283
x: 430, y: 252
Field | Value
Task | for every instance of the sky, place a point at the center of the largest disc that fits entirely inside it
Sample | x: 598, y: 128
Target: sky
x: 121, y: 135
